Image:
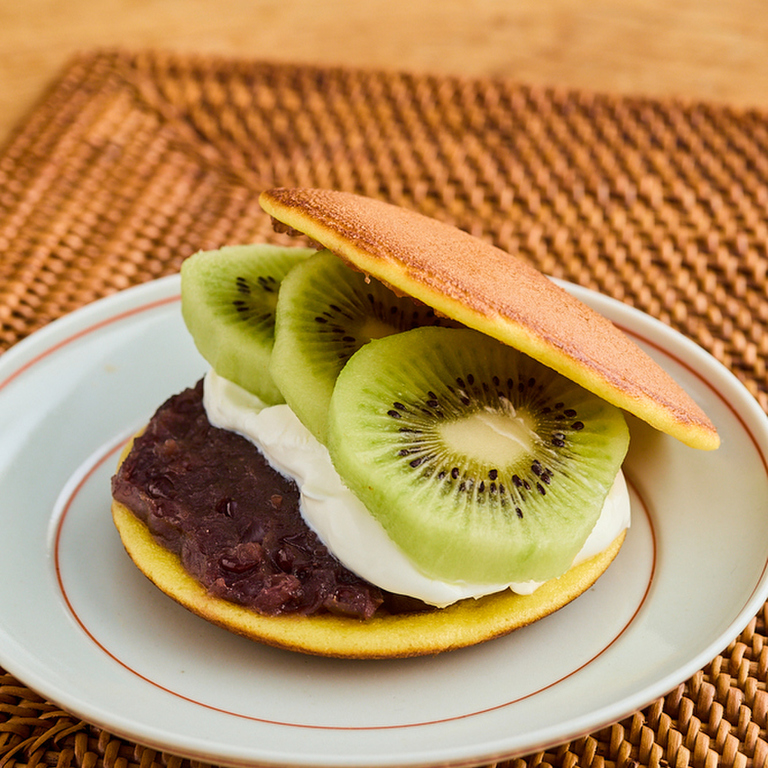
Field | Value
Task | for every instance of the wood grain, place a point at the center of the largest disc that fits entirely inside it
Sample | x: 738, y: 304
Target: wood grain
x: 701, y: 49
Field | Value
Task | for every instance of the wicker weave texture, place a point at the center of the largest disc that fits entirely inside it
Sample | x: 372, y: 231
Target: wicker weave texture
x: 131, y: 162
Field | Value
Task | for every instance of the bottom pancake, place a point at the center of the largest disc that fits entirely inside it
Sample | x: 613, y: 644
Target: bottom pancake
x: 462, y: 624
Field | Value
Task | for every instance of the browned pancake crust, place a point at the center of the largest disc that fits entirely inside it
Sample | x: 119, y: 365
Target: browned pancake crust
x: 384, y: 636
x: 486, y: 288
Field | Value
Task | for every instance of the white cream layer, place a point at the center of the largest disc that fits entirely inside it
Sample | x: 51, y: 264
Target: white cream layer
x: 341, y: 521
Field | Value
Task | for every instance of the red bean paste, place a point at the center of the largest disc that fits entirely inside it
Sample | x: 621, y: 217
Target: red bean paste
x: 209, y: 496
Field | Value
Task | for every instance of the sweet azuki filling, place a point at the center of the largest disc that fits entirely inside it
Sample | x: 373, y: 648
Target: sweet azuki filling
x: 210, y: 497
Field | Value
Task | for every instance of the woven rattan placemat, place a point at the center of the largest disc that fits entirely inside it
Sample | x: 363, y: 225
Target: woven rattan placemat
x: 132, y: 162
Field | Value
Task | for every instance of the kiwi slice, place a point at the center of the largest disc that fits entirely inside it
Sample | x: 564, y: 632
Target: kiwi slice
x: 326, y: 312
x: 481, y: 463
x: 228, y: 300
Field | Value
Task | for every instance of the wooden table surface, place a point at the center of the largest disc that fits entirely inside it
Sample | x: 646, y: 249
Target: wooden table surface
x: 700, y: 49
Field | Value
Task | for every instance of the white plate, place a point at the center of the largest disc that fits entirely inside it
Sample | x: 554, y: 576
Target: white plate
x: 79, y: 624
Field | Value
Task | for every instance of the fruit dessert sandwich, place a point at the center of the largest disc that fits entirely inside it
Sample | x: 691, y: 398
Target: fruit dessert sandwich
x: 408, y: 440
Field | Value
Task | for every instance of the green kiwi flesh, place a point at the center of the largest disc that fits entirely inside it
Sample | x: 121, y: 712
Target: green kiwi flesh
x: 228, y: 301
x: 482, y: 464
x: 326, y: 312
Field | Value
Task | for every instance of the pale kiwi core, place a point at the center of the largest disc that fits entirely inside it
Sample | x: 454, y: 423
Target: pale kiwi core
x: 489, y: 436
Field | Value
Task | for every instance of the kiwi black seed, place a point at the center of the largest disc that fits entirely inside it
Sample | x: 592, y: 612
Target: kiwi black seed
x: 228, y: 302
x: 327, y: 311
x: 482, y: 464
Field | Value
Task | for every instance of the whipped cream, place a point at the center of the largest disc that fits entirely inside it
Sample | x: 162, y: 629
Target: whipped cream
x: 338, y: 517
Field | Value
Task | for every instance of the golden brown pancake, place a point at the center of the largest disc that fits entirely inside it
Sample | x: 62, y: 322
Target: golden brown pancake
x: 485, y: 288
x: 465, y: 623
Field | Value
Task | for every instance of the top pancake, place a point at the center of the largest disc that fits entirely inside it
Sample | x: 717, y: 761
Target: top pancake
x: 488, y: 289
